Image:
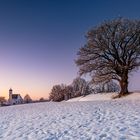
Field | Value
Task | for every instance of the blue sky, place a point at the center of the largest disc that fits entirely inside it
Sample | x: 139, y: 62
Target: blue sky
x: 39, y: 40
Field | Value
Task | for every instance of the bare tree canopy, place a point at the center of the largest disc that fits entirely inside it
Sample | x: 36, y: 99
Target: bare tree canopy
x: 112, y: 51
x: 81, y: 87
x: 57, y: 93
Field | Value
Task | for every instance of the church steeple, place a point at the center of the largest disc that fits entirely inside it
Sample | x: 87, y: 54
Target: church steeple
x: 10, y: 91
x: 10, y: 94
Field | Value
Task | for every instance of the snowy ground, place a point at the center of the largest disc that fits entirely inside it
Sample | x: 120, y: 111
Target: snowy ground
x: 104, y: 97
x: 88, y: 120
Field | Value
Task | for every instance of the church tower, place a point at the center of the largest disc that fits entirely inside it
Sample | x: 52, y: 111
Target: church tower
x: 10, y: 95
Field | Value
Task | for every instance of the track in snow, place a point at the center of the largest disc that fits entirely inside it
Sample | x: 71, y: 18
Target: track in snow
x: 98, y: 120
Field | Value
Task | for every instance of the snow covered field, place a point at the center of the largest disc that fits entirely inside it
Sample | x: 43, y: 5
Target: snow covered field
x: 88, y: 120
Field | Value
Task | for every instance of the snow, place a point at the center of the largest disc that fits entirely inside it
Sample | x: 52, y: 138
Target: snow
x: 94, y: 97
x: 89, y: 120
x: 104, y: 97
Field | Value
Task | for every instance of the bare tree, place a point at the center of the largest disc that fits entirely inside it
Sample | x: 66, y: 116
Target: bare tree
x: 81, y: 87
x: 78, y: 85
x: 27, y: 99
x: 68, y: 92
x: 41, y: 99
x: 57, y: 93
x: 112, y: 51
x: 110, y: 86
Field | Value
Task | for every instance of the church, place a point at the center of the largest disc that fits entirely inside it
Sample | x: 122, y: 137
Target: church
x: 14, y: 98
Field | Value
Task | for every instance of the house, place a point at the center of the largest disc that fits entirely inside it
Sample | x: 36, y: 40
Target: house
x: 14, y: 98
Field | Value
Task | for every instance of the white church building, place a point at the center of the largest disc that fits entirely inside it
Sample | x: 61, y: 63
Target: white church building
x: 14, y: 98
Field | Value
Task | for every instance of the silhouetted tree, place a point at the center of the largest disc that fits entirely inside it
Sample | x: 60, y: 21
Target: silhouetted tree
x: 41, y: 99
x: 112, y: 51
x: 2, y: 100
x: 57, y: 93
x: 27, y: 99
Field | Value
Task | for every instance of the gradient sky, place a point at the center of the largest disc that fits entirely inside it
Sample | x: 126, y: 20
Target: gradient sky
x: 39, y: 40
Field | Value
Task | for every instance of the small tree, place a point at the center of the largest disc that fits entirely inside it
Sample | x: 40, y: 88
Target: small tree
x: 27, y: 99
x: 57, y: 93
x: 41, y: 99
x: 2, y: 100
x: 112, y: 51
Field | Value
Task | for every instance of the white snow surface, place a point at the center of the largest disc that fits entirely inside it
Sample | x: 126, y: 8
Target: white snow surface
x: 104, y: 97
x: 89, y: 120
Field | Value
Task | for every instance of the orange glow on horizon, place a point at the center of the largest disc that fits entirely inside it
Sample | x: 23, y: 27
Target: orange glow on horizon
x: 37, y: 95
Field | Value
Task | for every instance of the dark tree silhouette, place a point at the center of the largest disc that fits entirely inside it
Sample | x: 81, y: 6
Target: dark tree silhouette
x: 2, y: 100
x: 57, y: 93
x: 112, y: 51
x: 27, y: 99
x: 41, y: 99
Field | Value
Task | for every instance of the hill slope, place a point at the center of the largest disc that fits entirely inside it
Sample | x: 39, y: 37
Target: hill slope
x: 104, y: 97
x: 106, y: 119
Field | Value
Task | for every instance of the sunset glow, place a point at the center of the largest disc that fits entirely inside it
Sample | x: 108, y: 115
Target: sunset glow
x: 39, y: 41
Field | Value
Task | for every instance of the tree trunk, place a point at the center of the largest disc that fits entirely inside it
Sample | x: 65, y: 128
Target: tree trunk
x: 124, y: 85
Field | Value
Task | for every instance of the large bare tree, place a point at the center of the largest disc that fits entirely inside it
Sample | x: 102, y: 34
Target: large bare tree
x: 112, y: 51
